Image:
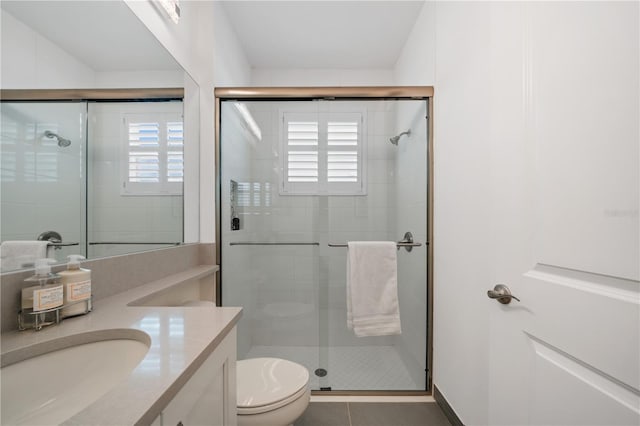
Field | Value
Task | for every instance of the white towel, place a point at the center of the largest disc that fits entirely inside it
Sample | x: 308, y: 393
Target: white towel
x: 21, y: 254
x: 372, y: 288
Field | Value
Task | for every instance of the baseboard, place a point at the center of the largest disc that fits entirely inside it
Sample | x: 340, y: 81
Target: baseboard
x: 446, y: 408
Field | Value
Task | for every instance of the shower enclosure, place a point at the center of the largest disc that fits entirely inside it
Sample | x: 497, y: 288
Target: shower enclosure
x: 297, y: 180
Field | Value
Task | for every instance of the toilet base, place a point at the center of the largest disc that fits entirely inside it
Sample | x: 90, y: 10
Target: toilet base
x: 283, y: 416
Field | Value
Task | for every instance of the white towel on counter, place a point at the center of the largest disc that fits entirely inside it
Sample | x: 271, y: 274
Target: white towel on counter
x: 372, y: 288
x: 21, y: 254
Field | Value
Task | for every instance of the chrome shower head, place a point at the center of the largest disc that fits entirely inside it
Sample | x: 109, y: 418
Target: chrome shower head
x: 394, y: 140
x: 62, y: 142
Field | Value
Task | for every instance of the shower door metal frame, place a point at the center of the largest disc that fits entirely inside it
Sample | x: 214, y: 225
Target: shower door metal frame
x: 425, y: 93
x: 161, y: 93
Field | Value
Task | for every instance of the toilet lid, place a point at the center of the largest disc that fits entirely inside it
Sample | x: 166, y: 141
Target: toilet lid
x: 266, y: 381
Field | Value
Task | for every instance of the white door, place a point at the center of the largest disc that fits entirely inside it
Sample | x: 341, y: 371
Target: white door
x: 564, y: 214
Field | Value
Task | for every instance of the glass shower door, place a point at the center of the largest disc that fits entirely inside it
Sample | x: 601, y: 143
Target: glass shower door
x: 395, y: 203
x: 269, y: 242
x: 297, y: 178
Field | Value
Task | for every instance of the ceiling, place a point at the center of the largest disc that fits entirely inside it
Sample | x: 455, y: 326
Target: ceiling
x: 105, y: 35
x: 323, y: 34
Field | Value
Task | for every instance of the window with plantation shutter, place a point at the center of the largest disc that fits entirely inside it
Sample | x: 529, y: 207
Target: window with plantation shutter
x: 153, y: 154
x: 323, y: 154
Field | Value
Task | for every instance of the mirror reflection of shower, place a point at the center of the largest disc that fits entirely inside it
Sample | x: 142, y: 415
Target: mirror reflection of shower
x: 394, y: 140
x: 62, y: 142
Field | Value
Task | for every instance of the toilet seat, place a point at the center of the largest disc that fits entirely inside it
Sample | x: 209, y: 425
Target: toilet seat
x: 266, y: 384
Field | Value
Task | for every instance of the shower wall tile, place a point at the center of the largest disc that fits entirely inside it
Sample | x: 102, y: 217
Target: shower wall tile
x: 380, y: 123
x: 129, y: 218
x: 380, y: 148
x: 378, y: 195
x: 19, y: 218
x: 380, y: 171
x: 42, y: 185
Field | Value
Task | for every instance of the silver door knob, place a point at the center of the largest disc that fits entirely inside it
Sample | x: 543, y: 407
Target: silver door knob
x: 502, y: 294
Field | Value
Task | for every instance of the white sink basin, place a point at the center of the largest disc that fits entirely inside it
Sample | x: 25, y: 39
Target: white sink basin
x: 67, y: 374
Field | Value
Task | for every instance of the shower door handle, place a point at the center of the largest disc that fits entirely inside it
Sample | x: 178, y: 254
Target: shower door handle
x: 502, y: 294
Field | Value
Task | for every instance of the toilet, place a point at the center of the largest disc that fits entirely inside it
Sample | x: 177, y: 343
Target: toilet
x: 271, y: 391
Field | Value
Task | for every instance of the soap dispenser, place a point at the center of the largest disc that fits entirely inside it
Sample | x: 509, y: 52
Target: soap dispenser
x: 77, y: 288
x: 41, y: 303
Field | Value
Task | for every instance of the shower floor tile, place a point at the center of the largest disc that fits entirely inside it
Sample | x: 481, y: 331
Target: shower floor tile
x: 348, y: 367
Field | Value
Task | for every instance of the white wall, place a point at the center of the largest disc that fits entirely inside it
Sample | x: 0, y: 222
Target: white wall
x: 416, y: 63
x: 31, y: 61
x: 230, y: 64
x: 415, y: 66
x: 138, y: 79
x: 461, y: 228
x: 578, y: 82
x: 288, y: 77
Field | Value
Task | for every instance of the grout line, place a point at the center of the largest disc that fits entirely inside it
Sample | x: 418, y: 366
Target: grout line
x: 349, y: 414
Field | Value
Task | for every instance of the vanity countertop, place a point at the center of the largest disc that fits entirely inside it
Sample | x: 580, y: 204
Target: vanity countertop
x: 181, y: 339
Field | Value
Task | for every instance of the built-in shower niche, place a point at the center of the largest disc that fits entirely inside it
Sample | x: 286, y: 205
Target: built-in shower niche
x: 234, y: 212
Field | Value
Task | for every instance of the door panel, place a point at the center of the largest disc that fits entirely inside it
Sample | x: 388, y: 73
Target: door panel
x: 564, y: 200
x: 577, y: 388
x: 590, y: 315
x: 587, y: 188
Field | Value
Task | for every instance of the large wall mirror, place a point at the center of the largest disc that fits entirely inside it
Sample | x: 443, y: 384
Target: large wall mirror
x: 95, y: 166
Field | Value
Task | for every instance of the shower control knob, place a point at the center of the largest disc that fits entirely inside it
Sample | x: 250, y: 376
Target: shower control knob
x: 502, y: 294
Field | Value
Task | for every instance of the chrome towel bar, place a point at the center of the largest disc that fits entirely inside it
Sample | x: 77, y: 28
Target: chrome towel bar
x: 97, y: 243
x: 399, y: 244
x: 272, y: 244
x: 406, y: 242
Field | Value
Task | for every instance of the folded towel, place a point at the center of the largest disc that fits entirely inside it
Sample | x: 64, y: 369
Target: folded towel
x: 372, y: 288
x: 21, y: 254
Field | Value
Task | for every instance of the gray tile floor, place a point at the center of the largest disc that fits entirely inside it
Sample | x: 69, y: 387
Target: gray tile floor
x: 372, y: 414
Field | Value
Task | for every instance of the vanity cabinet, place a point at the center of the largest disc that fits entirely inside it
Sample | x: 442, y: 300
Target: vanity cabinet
x: 209, y: 396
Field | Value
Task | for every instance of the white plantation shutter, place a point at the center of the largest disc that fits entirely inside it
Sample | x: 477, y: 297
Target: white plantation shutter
x: 153, y: 154
x: 343, y: 149
x: 144, y: 152
x: 175, y: 151
x: 302, y: 151
x: 323, y: 154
